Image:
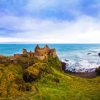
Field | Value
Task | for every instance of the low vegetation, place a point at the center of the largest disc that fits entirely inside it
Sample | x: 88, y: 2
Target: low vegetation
x: 33, y: 79
x: 44, y: 80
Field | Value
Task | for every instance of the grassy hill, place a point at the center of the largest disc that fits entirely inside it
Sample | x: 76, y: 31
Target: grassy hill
x: 44, y: 80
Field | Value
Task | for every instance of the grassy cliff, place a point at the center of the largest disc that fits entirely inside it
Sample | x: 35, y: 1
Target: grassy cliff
x: 33, y: 79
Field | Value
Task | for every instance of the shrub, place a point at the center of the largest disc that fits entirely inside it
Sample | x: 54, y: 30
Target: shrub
x: 54, y: 62
x: 24, y: 87
x: 31, y: 74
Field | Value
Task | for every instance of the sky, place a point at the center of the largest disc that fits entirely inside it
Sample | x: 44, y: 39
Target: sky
x: 49, y: 21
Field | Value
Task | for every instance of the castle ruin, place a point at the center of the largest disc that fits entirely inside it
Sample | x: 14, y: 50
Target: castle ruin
x: 40, y: 53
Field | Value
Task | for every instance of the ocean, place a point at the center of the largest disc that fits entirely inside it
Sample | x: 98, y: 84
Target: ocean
x: 78, y: 57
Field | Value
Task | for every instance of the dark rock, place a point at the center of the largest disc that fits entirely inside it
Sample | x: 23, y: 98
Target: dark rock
x: 88, y: 53
x: 63, y: 66
x: 66, y: 60
x: 98, y: 71
x: 99, y: 54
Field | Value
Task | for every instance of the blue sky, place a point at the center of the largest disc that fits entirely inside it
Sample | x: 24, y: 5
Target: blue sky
x: 50, y: 21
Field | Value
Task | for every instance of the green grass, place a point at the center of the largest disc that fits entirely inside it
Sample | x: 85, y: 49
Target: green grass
x: 53, y: 84
x: 69, y: 88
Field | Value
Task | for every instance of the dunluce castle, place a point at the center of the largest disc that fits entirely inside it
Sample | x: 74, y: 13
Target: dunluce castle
x: 40, y: 53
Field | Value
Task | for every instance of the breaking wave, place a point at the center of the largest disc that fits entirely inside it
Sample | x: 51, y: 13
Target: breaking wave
x: 83, y: 62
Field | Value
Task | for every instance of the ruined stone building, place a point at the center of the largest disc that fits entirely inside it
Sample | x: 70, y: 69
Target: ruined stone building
x: 40, y: 53
x: 43, y: 53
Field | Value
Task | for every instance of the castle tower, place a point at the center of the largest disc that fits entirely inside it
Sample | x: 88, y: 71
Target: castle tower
x: 24, y: 51
x: 37, y: 48
x: 47, y: 49
x: 46, y: 46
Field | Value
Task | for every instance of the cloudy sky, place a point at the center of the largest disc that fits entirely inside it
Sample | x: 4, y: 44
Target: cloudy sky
x: 50, y: 21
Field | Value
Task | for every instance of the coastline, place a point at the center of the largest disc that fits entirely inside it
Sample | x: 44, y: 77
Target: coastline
x: 79, y: 74
x: 39, y: 70
x: 59, y: 52
x: 83, y: 75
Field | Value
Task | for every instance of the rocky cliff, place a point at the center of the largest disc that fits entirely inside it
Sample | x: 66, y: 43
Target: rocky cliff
x: 19, y: 71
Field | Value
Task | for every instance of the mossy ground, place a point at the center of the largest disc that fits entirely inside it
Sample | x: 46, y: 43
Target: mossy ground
x: 50, y: 85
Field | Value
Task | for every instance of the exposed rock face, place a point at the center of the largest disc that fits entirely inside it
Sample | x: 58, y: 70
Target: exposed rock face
x: 63, y: 66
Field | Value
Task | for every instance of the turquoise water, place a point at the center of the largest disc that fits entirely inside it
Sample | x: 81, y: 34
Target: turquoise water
x: 79, y: 55
x: 10, y: 49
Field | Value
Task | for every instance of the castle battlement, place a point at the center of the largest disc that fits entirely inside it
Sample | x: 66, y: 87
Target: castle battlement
x: 43, y: 53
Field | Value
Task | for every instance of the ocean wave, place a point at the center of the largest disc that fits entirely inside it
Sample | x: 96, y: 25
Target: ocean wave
x: 81, y: 62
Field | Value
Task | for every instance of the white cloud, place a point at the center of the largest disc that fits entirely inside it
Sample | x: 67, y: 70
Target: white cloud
x: 83, y: 30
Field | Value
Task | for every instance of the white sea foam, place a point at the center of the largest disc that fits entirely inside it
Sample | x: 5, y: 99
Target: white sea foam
x: 83, y: 62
